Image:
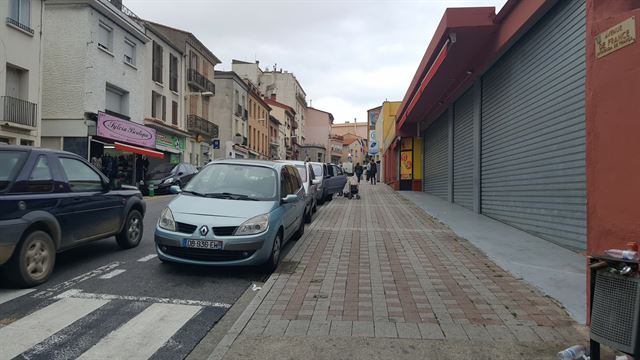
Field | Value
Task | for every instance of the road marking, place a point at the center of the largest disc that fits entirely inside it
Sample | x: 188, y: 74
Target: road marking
x: 8, y: 295
x: 78, y: 294
x: 23, y: 334
x: 76, y: 280
x: 147, y: 258
x: 143, y: 335
x: 114, y: 273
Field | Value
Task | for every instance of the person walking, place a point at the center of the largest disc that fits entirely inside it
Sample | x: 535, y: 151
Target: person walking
x: 373, y: 171
x: 367, y: 172
x: 358, y: 171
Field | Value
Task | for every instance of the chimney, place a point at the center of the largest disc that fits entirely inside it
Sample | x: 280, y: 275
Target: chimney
x: 273, y: 96
x: 257, y: 62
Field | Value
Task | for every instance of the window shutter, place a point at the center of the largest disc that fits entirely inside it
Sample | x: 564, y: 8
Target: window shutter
x: 174, y: 113
x: 164, y: 108
x: 154, y: 111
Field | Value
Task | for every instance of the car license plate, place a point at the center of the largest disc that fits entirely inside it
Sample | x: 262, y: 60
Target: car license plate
x: 203, y: 244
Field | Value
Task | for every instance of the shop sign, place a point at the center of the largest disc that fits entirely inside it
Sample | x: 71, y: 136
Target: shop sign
x: 169, y: 142
x: 616, y: 38
x: 114, y: 128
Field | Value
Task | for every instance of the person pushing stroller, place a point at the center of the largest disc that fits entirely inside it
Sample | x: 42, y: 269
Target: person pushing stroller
x: 351, y: 189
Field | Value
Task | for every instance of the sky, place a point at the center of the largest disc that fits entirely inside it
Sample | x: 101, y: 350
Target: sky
x: 348, y: 55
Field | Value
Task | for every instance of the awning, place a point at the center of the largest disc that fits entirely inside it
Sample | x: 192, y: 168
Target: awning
x: 138, y: 150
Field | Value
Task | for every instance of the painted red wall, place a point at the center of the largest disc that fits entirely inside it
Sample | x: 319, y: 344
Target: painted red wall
x: 613, y: 132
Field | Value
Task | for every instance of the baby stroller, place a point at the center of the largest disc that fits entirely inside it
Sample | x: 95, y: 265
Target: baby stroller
x: 351, y: 188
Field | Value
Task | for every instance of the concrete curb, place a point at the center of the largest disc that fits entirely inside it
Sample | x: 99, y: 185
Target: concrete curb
x: 225, y: 344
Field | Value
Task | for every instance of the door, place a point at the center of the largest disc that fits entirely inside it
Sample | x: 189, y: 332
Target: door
x: 289, y: 208
x: 87, y: 210
x: 436, y: 170
x: 341, y: 178
x: 533, y: 130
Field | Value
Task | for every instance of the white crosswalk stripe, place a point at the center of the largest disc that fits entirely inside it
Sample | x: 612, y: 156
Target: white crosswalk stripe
x: 112, y: 274
x: 8, y: 295
x: 143, y: 335
x: 23, y: 334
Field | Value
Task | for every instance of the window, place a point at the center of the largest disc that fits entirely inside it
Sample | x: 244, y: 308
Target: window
x: 105, y: 36
x: 40, y: 180
x: 296, y: 182
x: 173, y: 73
x: 116, y: 100
x: 21, y: 11
x: 243, y: 103
x: 205, y: 107
x: 174, y: 113
x: 80, y: 176
x: 129, y: 52
x: 164, y: 108
x: 11, y: 164
x: 17, y: 83
x: 157, y: 62
x: 193, y: 61
x: 158, y: 106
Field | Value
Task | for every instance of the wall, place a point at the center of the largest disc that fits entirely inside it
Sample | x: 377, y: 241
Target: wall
x: 24, y: 51
x: 224, y: 107
x: 318, y: 127
x: 612, y: 121
x: 360, y: 129
x: 164, y: 87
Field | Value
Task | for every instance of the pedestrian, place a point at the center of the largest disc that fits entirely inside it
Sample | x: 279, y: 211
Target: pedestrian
x: 368, y: 171
x: 374, y: 170
x: 358, y: 171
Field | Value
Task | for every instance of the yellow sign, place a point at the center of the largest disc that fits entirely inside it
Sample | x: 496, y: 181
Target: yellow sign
x: 406, y: 165
x: 616, y: 38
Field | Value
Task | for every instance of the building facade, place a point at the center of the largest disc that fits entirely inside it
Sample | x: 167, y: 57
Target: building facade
x: 360, y: 129
x: 258, y: 124
x: 231, y: 109
x: 502, y: 116
x: 20, y: 72
x: 94, y: 88
x: 289, y: 147
x: 198, y: 65
x: 274, y: 138
x: 318, y: 128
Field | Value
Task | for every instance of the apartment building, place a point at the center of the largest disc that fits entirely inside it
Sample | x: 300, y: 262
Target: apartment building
x: 258, y: 124
x: 288, y: 141
x: 20, y: 71
x: 318, y: 129
x: 231, y: 109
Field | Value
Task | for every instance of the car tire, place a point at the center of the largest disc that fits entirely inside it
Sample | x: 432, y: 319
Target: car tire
x: 298, y: 234
x: 315, y: 206
x: 276, y: 252
x: 32, y: 261
x: 131, y: 233
x: 308, y: 216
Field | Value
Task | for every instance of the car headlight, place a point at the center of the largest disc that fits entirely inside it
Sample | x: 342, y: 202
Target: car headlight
x: 168, y: 181
x: 166, y: 220
x: 255, y: 225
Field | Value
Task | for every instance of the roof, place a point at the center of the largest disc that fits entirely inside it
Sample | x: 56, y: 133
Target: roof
x: 322, y: 111
x: 274, y: 119
x: 254, y: 93
x: 148, y: 26
x: 279, y: 104
x: 182, y: 38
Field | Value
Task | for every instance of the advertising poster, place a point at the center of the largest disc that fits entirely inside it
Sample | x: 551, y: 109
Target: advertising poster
x: 406, y: 165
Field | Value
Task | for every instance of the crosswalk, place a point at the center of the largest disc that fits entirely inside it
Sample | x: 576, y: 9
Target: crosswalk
x: 99, y: 326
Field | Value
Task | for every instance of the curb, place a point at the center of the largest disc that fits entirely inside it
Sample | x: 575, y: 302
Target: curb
x: 225, y: 344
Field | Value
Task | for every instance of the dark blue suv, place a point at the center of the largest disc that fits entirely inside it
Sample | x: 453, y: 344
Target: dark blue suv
x: 51, y: 201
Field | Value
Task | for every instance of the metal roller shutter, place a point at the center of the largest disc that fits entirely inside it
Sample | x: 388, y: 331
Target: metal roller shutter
x: 463, y: 151
x: 436, y: 169
x: 533, y: 130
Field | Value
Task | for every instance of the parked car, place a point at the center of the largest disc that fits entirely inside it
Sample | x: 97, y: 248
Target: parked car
x: 164, y: 175
x: 319, y: 172
x: 233, y: 212
x: 334, y: 181
x: 310, y: 187
x: 51, y: 201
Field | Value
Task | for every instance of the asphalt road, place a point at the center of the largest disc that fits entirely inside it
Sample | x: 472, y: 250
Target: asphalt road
x: 100, y: 295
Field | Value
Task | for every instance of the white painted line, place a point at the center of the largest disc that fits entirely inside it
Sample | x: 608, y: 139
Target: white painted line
x: 8, y: 295
x: 23, y: 334
x: 143, y: 335
x: 114, y: 273
x: 147, y: 258
x: 78, y: 279
x: 78, y: 294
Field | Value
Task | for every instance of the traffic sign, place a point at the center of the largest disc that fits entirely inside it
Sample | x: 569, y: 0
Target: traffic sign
x: 215, y: 143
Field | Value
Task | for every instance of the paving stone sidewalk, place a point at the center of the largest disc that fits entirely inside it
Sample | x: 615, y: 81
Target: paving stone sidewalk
x: 380, y: 267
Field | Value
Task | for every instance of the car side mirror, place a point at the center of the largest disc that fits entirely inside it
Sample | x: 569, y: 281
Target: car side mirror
x: 315, y: 182
x: 291, y: 198
x: 175, y: 189
x: 180, y: 173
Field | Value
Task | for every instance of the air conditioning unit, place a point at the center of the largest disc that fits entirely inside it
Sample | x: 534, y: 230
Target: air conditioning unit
x: 615, y: 312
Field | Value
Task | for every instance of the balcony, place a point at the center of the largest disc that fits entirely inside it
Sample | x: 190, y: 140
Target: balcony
x: 18, y: 111
x: 16, y: 23
x: 200, y: 82
x: 204, y: 127
x: 238, y: 110
x: 275, y: 141
x: 294, y: 124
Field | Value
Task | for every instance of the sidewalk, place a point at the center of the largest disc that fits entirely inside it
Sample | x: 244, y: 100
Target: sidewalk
x: 379, y: 278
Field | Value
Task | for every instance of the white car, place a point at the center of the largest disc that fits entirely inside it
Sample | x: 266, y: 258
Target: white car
x: 310, y: 186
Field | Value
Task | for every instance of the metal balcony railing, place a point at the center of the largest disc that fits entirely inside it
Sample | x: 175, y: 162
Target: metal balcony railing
x: 238, y: 110
x: 19, y: 25
x: 197, y: 80
x: 245, y: 115
x: 196, y: 124
x: 244, y: 141
x: 125, y: 10
x: 18, y: 111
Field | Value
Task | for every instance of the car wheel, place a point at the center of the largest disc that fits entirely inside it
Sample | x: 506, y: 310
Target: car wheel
x: 315, y: 206
x: 131, y: 234
x: 298, y: 234
x: 308, y: 216
x: 33, y: 260
x: 276, y: 250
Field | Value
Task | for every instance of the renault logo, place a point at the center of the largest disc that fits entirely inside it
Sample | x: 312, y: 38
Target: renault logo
x: 204, y: 230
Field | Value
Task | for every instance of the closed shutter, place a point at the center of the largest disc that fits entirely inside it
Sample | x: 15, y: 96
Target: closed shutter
x: 463, y: 151
x: 436, y: 176
x: 533, y: 130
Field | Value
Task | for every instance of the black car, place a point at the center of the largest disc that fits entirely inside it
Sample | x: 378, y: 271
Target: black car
x: 51, y: 201
x: 162, y: 176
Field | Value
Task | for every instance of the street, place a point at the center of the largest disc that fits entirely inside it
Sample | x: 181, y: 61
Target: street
x: 98, y: 288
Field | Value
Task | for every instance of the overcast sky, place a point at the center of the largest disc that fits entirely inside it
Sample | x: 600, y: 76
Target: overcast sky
x: 349, y: 55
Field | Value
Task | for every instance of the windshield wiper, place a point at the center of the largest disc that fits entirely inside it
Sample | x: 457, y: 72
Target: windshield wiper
x: 194, y: 193
x: 227, y: 195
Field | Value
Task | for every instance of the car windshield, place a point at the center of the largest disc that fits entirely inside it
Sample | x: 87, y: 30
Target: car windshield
x: 303, y: 172
x: 317, y: 170
x: 11, y: 163
x: 235, y: 181
x: 161, y: 170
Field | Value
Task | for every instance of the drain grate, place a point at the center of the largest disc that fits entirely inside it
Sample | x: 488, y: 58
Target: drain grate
x: 287, y: 267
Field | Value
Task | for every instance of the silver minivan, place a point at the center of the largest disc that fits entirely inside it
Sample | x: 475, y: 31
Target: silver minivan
x: 310, y: 186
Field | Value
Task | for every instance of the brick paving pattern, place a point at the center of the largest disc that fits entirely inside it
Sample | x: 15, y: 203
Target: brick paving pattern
x: 381, y: 267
